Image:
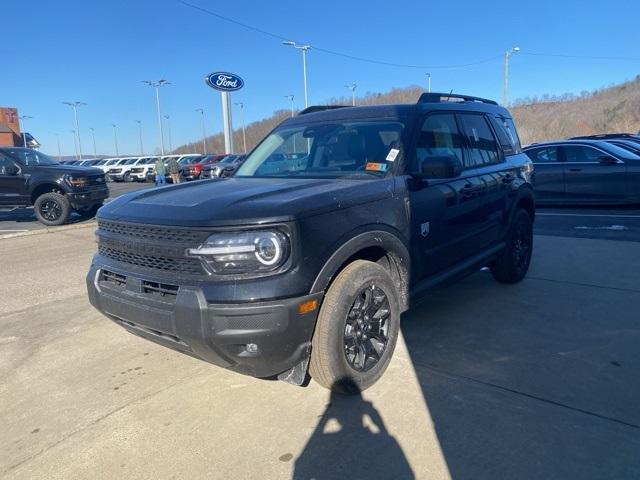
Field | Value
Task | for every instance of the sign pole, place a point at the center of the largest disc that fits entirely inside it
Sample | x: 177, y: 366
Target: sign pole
x: 226, y: 121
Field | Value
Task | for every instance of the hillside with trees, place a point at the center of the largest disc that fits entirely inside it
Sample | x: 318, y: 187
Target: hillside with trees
x: 612, y: 109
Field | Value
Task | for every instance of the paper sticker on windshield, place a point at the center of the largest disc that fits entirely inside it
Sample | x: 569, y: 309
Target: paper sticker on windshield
x: 376, y: 167
x: 391, y: 156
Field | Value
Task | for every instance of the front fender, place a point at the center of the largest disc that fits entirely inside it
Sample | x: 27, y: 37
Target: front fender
x: 389, y: 240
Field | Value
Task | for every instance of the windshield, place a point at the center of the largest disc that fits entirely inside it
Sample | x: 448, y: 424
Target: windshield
x: 327, y: 150
x: 30, y: 157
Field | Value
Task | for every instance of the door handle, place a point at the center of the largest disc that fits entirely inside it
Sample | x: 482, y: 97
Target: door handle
x: 575, y: 169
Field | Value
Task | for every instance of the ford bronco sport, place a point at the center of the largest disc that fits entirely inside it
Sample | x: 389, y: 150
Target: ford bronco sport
x: 303, y: 261
x: 29, y: 177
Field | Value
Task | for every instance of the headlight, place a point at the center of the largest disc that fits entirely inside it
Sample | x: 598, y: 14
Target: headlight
x: 254, y: 251
x: 76, y: 181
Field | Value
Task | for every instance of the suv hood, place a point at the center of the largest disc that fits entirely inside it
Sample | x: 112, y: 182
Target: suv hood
x: 236, y: 201
x: 72, y: 170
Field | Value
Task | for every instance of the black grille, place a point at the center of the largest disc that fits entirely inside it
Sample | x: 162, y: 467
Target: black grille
x: 115, y: 278
x: 189, y: 266
x: 95, y: 179
x: 153, y: 232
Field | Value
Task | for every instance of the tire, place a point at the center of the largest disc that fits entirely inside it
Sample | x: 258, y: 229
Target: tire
x: 126, y: 178
x: 513, y: 263
x: 333, y: 363
x: 89, y: 212
x: 52, y: 209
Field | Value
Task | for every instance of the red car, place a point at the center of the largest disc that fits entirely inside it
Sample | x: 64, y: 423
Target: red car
x: 192, y: 171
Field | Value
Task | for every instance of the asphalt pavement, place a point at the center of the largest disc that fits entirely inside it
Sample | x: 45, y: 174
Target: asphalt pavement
x: 529, y: 381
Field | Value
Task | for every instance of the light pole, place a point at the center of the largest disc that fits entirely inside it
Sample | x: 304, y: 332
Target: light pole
x: 157, y: 84
x: 429, y: 82
x: 304, y: 49
x: 115, y: 137
x: 204, y: 135
x: 75, y: 106
x: 169, y: 131
x: 505, y: 87
x: 139, y: 122
x: 290, y: 98
x: 352, y: 87
x: 24, y: 129
x: 59, y: 150
x: 93, y: 135
x: 75, y: 143
x: 244, y: 136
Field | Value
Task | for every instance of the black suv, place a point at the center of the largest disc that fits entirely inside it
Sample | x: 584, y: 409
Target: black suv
x: 29, y: 177
x: 332, y: 227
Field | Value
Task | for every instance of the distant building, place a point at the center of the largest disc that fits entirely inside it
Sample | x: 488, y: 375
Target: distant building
x: 10, y: 133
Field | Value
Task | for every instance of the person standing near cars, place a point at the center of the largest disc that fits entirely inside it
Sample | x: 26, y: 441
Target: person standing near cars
x: 174, y: 171
x: 160, y: 171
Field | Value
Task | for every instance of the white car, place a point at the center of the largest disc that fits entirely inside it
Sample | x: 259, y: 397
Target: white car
x: 106, y: 164
x: 121, y: 171
x: 142, y: 168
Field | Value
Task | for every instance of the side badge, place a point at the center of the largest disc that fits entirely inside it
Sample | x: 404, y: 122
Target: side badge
x: 424, y: 229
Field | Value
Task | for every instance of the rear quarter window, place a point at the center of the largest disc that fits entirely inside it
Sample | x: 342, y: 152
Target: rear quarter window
x: 507, y: 134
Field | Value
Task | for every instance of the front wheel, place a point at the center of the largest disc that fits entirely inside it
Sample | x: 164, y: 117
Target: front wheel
x: 357, y: 329
x: 513, y: 263
x: 52, y: 208
x: 126, y: 178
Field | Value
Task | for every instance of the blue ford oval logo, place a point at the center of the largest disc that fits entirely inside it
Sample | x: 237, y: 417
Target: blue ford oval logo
x: 224, y: 81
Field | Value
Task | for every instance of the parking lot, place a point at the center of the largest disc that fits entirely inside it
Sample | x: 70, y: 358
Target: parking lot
x: 535, y: 380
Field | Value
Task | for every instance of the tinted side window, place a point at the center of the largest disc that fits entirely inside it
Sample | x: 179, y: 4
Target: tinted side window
x: 438, y: 137
x: 579, y: 153
x: 482, y: 143
x: 543, y: 155
x: 506, y: 137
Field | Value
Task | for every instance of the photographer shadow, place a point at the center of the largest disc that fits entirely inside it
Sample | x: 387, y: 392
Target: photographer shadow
x: 351, y: 441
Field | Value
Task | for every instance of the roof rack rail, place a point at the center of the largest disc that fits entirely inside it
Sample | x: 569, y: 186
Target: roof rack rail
x: 320, y: 108
x: 433, y: 97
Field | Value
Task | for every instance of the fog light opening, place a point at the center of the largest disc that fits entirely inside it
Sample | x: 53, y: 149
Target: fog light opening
x: 251, y: 348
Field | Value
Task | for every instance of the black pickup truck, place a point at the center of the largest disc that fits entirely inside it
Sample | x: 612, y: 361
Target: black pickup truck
x: 29, y: 177
x: 336, y: 223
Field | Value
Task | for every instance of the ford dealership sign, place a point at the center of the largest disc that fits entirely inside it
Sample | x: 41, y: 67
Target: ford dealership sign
x: 224, y: 81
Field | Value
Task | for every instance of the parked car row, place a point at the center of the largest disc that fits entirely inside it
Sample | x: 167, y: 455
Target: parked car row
x: 596, y: 169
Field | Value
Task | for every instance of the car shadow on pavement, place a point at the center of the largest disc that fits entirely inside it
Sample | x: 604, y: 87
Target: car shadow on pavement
x: 351, y: 441
x: 529, y: 381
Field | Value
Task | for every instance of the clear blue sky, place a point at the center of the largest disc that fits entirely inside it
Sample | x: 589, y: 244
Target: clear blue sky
x: 100, y: 51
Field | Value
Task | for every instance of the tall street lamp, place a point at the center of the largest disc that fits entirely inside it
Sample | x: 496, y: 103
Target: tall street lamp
x: 93, y: 135
x: 59, y: 150
x: 505, y: 86
x: 75, y: 106
x: 429, y: 82
x: 139, y: 122
x: 352, y: 87
x: 204, y: 135
x: 244, y: 136
x: 304, y: 49
x: 169, y: 131
x: 115, y: 137
x: 75, y: 143
x: 157, y: 84
x: 24, y: 129
x: 290, y: 97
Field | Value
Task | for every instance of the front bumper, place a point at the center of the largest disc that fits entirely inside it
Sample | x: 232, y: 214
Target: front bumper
x: 89, y: 196
x: 261, y: 339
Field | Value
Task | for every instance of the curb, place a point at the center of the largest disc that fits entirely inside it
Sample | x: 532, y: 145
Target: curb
x: 41, y: 231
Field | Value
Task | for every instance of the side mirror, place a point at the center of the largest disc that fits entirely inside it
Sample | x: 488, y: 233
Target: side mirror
x: 440, y: 166
x: 607, y: 160
x: 11, y: 170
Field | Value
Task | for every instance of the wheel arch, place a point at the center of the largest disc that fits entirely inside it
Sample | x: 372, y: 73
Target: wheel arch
x: 526, y: 200
x: 45, y: 187
x: 379, y: 246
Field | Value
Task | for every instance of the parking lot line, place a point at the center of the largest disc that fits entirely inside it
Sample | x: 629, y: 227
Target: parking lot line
x: 585, y: 215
